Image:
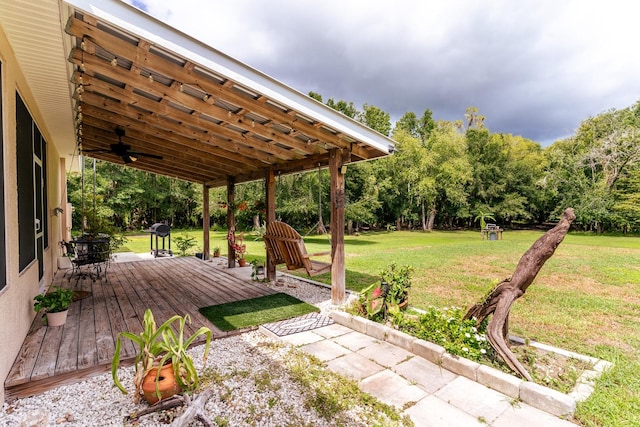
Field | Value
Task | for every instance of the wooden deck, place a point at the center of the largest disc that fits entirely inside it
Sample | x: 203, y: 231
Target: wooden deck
x: 84, y: 346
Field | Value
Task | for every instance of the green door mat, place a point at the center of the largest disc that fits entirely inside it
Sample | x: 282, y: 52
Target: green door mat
x: 256, y: 311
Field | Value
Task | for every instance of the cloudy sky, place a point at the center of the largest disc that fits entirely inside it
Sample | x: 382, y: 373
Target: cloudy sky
x: 535, y: 68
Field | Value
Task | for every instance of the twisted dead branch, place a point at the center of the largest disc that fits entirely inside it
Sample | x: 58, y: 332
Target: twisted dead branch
x: 503, y: 295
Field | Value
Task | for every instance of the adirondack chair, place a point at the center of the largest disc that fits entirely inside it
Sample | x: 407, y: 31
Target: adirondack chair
x: 286, y: 246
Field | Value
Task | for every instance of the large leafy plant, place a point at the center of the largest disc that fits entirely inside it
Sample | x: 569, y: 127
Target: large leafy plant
x: 159, y: 345
x: 54, y: 301
x: 399, y: 280
x: 380, y: 300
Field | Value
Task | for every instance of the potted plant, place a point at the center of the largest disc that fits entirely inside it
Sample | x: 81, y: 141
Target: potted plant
x: 399, y: 280
x: 216, y: 251
x: 390, y: 296
x: 55, y: 304
x: 239, y: 247
x: 163, y: 367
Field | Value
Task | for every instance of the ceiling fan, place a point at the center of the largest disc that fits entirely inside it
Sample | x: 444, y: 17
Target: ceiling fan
x: 124, y: 150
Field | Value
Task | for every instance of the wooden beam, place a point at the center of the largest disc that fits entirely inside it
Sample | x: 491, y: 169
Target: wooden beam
x: 172, y: 102
x: 220, y: 141
x: 270, y: 202
x: 279, y: 169
x: 176, y: 147
x: 338, y: 278
x: 94, y: 139
x: 228, y: 92
x: 231, y: 219
x: 206, y: 219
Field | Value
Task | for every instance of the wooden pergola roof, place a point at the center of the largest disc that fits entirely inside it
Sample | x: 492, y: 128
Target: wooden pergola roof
x: 209, y: 116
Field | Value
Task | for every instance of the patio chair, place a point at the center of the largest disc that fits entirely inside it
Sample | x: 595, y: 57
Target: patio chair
x: 286, y: 246
x: 94, y: 254
x: 65, y: 262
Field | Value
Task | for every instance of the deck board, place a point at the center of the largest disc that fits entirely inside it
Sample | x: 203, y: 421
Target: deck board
x: 85, y: 345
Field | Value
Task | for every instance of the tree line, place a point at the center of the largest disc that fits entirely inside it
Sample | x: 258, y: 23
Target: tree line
x: 443, y: 175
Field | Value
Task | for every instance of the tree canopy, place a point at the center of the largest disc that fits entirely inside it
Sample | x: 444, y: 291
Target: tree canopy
x: 443, y: 175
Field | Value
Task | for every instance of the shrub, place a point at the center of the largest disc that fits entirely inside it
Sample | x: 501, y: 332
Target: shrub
x: 184, y: 243
x: 447, y: 328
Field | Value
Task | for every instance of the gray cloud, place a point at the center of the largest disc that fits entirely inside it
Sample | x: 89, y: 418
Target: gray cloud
x: 535, y: 68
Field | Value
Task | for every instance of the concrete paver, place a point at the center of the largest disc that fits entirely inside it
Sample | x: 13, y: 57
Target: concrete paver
x: 302, y: 338
x: 385, y: 354
x: 325, y: 350
x: 475, y: 399
x: 355, y: 341
x: 522, y: 414
x: 332, y: 331
x: 434, y: 412
x: 355, y: 366
x: 392, y: 389
x: 425, y: 374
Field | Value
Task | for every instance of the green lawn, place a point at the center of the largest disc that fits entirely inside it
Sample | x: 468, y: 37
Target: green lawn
x: 585, y: 299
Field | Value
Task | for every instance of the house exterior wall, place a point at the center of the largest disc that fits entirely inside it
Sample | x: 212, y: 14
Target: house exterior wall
x: 16, y: 298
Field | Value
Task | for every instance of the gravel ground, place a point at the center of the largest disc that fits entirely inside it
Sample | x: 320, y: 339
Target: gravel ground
x: 249, y: 373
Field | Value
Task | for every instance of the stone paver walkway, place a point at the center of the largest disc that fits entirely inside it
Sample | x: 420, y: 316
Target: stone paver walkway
x: 429, y: 394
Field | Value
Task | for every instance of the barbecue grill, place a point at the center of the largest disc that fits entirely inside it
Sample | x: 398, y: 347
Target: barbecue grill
x: 163, y: 231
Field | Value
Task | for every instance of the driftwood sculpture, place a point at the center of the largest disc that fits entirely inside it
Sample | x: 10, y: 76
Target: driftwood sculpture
x: 499, y: 300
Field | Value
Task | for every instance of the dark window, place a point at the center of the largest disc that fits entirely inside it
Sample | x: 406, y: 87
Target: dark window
x: 26, y: 202
x: 40, y: 179
x: 3, y: 249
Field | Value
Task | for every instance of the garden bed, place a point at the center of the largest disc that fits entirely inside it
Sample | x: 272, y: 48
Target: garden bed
x: 539, y: 396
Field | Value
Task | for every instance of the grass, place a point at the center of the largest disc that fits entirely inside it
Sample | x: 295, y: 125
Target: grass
x: 256, y: 311
x: 585, y: 299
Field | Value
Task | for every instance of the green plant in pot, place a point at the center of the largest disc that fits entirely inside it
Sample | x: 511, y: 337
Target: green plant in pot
x: 399, y: 280
x: 55, y: 304
x: 160, y: 347
x: 388, y: 297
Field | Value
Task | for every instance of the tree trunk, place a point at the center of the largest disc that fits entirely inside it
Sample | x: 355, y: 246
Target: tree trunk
x: 499, y: 300
x: 350, y: 227
x: 256, y: 222
x: 432, y: 218
x: 424, y: 216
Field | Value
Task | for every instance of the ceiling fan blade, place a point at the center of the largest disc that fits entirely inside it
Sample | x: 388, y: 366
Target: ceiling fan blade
x: 138, y: 153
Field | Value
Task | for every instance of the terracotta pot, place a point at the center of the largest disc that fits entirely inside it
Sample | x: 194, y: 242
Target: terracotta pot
x: 57, y: 319
x: 166, y: 384
x: 404, y: 304
x: 242, y: 262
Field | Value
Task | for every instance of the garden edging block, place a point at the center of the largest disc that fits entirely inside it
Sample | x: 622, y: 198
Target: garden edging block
x: 499, y: 381
x: 428, y: 351
x: 460, y: 365
x: 400, y: 339
x: 551, y: 401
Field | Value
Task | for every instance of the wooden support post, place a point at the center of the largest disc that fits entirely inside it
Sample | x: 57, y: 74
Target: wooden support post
x: 270, y: 202
x: 206, y: 219
x: 231, y: 219
x: 337, y: 158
